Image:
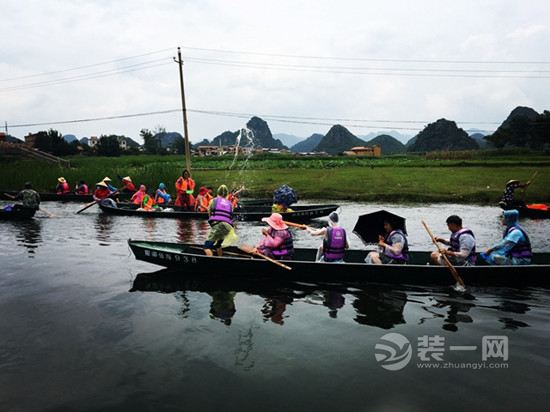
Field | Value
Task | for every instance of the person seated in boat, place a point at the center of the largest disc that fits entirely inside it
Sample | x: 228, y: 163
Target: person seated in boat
x: 508, y: 200
x: 220, y: 220
x: 233, y: 196
x: 280, y: 208
x: 101, y: 191
x: 462, y: 245
x: 203, y: 200
x: 394, y: 247
x: 29, y: 197
x: 107, y: 181
x: 81, y: 188
x: 147, y: 202
x: 277, y: 242
x: 127, y: 185
x: 334, y: 242
x: 62, y: 187
x: 515, y: 246
x: 137, y: 198
x: 185, y: 186
x: 162, y: 197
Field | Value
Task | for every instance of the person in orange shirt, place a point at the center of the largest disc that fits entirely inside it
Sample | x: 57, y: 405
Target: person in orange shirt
x: 185, y: 186
x: 137, y: 198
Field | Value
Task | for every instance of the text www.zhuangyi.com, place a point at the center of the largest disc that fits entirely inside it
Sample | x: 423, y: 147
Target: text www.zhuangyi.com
x: 462, y: 365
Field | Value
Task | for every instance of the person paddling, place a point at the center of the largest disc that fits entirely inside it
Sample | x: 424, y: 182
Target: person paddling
x: 394, y: 247
x: 462, y: 245
x: 334, y: 242
x: 30, y: 198
x: 277, y: 242
x: 508, y: 200
x: 101, y: 191
x: 221, y: 222
x: 127, y: 185
x: 515, y: 246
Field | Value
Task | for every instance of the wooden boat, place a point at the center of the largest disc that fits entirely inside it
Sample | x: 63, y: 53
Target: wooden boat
x: 67, y: 197
x: 248, y: 214
x: 18, y: 213
x: 538, y: 211
x: 305, y: 268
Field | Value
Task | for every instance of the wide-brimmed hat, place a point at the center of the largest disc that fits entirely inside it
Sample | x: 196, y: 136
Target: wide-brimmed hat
x: 61, y: 180
x: 127, y: 178
x: 223, y: 191
x: 275, y: 221
x: 102, y: 184
x: 511, y: 181
x: 106, y: 179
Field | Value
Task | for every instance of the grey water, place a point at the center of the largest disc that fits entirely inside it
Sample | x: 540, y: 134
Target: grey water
x: 86, y: 327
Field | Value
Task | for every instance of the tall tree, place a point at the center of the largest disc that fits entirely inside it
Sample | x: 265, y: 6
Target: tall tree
x: 108, y: 146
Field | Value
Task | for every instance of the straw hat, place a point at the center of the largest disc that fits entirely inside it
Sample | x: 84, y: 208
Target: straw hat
x: 127, y: 178
x: 102, y: 184
x: 106, y: 179
x: 275, y: 221
x: 61, y: 180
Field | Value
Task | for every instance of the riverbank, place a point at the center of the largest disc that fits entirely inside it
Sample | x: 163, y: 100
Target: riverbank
x: 395, y: 179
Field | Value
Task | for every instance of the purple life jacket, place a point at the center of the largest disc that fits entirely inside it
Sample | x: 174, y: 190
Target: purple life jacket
x: 522, y: 249
x: 287, y: 247
x: 334, y: 245
x: 222, y: 211
x: 403, y: 256
x: 455, y: 244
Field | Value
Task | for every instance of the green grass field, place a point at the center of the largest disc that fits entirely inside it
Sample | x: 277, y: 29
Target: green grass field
x: 477, y: 179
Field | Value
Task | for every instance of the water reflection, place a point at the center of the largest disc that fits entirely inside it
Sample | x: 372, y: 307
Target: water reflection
x: 28, y: 233
x: 191, y: 231
x: 383, y: 309
x: 104, y: 228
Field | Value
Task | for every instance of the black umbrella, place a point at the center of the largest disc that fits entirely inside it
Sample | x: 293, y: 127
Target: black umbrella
x: 371, y: 225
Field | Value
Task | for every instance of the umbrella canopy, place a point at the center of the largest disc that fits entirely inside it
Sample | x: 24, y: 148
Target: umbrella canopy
x: 285, y: 195
x: 371, y: 225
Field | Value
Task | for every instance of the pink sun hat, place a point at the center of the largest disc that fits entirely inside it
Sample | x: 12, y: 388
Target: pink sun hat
x: 275, y: 221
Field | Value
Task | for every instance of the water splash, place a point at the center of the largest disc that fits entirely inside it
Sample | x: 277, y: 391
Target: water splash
x: 245, y: 144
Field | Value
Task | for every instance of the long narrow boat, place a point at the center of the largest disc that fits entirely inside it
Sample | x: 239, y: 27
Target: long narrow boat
x: 67, y: 197
x: 539, y: 211
x: 17, y: 214
x: 248, y: 214
x: 191, y: 259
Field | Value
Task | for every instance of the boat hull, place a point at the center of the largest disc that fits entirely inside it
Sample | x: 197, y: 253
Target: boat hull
x: 193, y: 261
x: 17, y: 214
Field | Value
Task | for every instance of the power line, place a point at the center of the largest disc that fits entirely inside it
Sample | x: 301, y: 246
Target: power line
x: 371, y: 59
x: 86, y: 66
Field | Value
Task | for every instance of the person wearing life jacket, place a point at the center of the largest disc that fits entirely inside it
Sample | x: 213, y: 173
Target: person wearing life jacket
x: 147, y: 201
x: 233, y: 196
x: 393, y: 247
x: 334, y: 242
x: 203, y: 200
x: 185, y: 186
x: 127, y: 185
x: 162, y: 198
x: 277, y: 242
x: 515, y: 246
x: 81, y: 188
x: 280, y: 208
x: 137, y: 198
x: 62, y: 187
x: 101, y: 191
x: 107, y: 181
x: 462, y: 245
x: 220, y: 220
x: 508, y: 200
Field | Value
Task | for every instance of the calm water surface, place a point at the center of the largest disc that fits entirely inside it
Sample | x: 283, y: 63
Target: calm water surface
x: 84, y: 326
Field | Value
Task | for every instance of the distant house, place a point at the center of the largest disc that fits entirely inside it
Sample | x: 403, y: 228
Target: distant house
x: 122, y: 143
x: 93, y: 142
x: 374, y: 151
x: 30, y: 139
x: 210, y: 150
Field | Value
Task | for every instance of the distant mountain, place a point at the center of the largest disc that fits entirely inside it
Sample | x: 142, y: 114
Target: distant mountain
x: 69, y: 138
x: 388, y: 144
x: 442, y: 135
x: 411, y: 141
x: 481, y: 141
x: 337, y: 140
x: 308, y: 144
x: 288, y: 139
x: 85, y: 141
x: 167, y: 139
x: 520, y: 112
x: 403, y: 138
x: 473, y: 131
x: 13, y: 139
x: 524, y: 127
x: 256, y: 133
x: 131, y: 142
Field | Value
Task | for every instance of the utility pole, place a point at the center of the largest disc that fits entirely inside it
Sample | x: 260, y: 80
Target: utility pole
x: 6, y: 126
x: 184, y: 111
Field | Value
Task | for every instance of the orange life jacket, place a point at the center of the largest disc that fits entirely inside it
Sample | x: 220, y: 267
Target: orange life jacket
x: 182, y: 185
x: 147, y: 203
x: 137, y: 197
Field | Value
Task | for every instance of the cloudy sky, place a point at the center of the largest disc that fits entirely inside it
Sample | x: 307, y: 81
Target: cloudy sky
x: 406, y: 62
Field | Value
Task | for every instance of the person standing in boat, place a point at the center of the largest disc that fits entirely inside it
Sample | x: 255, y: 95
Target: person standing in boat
x: 185, y: 186
x: 515, y: 246
x: 62, y: 187
x: 334, y: 242
x: 30, y: 198
x: 221, y: 222
x: 508, y: 200
x: 393, y: 248
x: 462, y: 245
x: 81, y: 188
x: 277, y: 242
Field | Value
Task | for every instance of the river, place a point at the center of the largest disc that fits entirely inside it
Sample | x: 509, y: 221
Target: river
x: 84, y: 326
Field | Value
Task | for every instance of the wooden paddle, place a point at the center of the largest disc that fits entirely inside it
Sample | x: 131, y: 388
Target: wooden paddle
x: 250, y: 249
x: 94, y: 202
x: 455, y: 274
x: 296, y: 225
x: 529, y: 182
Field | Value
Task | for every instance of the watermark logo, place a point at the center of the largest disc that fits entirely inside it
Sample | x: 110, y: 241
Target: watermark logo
x: 394, y: 352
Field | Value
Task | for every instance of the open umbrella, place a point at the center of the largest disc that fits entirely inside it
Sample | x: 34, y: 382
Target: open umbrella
x: 371, y: 225
x: 285, y: 195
